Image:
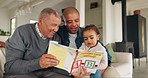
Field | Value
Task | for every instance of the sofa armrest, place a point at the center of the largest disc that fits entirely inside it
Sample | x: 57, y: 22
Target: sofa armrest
x: 124, y: 57
x: 124, y: 60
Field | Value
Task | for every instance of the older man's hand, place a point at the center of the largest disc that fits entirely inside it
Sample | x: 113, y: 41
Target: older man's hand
x: 48, y: 60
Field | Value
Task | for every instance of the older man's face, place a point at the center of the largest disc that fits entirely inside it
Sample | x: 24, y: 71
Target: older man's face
x: 49, y: 25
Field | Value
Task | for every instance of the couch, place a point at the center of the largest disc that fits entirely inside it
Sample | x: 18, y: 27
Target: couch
x: 123, y: 68
x: 122, y: 64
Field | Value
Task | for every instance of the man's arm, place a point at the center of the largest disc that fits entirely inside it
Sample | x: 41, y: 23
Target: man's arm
x: 15, y: 51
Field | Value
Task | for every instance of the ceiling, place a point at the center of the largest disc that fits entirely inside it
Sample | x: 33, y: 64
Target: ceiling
x: 9, y: 4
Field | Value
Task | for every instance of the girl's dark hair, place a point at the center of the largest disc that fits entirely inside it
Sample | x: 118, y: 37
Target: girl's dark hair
x: 91, y: 27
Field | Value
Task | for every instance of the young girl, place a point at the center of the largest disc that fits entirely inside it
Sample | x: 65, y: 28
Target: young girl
x: 91, y: 37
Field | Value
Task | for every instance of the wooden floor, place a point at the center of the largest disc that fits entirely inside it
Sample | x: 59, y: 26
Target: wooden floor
x: 140, y: 71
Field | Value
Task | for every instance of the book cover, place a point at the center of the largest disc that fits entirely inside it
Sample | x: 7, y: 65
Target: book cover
x: 71, y: 58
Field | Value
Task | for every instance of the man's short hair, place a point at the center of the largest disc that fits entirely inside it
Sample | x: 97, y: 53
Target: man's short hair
x: 70, y: 10
x: 49, y: 11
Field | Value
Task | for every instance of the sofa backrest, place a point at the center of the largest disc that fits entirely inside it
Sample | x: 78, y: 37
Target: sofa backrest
x: 4, y: 38
x: 113, y: 46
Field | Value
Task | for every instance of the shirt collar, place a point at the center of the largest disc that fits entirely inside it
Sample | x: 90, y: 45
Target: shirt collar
x: 38, y: 31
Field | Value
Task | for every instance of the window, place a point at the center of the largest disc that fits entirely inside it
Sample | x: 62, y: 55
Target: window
x: 12, y: 25
x: 33, y: 21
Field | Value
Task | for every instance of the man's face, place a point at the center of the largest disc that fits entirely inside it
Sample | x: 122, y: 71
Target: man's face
x: 90, y: 38
x: 72, y: 22
x: 49, y: 25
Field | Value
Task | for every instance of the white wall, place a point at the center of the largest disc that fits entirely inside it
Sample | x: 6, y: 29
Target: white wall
x: 109, y: 17
x: 93, y: 16
x: 55, y: 4
x: 112, y: 26
x: 134, y: 5
x: 4, y: 19
x: 118, y: 22
x: 80, y: 5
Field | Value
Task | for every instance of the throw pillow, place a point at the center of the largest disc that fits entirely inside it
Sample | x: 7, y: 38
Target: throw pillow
x: 114, y: 58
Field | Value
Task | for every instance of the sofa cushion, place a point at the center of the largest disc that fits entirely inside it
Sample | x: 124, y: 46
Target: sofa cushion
x: 111, y: 72
x: 114, y: 58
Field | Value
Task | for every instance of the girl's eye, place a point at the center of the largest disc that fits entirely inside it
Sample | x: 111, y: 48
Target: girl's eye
x: 92, y: 38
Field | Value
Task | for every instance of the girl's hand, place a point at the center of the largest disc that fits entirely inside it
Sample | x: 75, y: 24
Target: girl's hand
x: 81, y: 72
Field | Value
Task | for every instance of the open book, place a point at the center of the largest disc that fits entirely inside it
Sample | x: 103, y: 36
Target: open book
x: 71, y: 58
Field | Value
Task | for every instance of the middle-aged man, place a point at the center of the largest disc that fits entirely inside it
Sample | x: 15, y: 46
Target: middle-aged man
x: 26, y: 50
x: 70, y: 33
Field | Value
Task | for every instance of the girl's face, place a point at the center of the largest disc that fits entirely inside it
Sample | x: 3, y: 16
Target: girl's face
x: 90, y: 38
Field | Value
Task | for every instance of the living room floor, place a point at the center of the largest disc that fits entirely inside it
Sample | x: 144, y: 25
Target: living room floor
x: 140, y: 71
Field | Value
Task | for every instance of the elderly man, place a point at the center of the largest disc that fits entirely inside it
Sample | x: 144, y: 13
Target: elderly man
x: 26, y: 50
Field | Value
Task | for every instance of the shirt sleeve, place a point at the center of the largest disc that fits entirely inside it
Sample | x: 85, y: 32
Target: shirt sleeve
x: 15, y: 51
x: 104, y: 62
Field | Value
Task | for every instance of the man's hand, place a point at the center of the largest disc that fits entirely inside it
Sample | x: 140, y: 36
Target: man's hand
x: 48, y: 60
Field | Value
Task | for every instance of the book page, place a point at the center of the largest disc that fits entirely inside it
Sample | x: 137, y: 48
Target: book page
x: 88, y: 59
x: 64, y: 54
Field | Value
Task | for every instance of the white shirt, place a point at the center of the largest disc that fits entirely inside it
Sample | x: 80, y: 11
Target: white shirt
x: 98, y: 47
x: 72, y: 38
x: 38, y: 31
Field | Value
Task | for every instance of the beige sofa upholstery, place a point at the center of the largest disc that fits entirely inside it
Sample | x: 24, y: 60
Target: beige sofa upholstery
x: 122, y: 69
x: 2, y: 61
x: 2, y: 55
